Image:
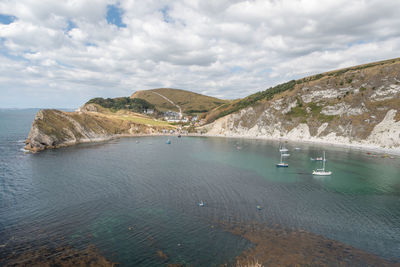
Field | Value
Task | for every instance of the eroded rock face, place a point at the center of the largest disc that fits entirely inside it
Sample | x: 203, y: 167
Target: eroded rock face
x: 53, y: 128
x: 387, y: 132
x: 359, y: 107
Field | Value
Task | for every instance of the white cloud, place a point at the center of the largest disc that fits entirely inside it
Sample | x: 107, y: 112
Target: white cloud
x: 61, y: 53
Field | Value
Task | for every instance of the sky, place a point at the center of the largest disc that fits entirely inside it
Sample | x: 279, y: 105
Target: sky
x: 57, y: 54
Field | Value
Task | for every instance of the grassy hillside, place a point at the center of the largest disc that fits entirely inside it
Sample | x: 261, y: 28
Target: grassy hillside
x: 53, y: 128
x: 340, y: 78
x: 189, y: 102
x: 125, y: 115
x: 360, y: 104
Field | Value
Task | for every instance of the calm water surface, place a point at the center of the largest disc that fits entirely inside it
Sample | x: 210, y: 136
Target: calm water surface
x: 136, y: 196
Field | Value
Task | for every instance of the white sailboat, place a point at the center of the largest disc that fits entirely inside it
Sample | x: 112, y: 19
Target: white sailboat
x: 322, y: 172
x: 282, y: 163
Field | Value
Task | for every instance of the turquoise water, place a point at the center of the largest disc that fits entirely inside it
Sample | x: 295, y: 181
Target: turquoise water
x: 136, y: 196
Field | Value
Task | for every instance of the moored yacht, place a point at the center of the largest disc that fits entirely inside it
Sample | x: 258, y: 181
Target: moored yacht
x: 322, y: 172
x: 282, y: 163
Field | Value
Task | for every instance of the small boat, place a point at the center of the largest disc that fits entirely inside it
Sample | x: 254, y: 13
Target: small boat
x: 297, y: 148
x: 259, y: 207
x: 317, y: 159
x: 168, y: 142
x: 201, y: 203
x: 322, y: 172
x: 285, y: 154
x: 282, y: 164
x: 179, y: 136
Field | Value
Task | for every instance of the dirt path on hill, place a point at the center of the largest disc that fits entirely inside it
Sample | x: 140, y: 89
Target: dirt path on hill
x: 169, y: 100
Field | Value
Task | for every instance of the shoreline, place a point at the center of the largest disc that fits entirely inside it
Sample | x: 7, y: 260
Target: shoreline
x: 356, y: 146
x: 86, y: 141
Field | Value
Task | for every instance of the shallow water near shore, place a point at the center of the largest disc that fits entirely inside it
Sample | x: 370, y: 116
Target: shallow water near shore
x: 136, y: 199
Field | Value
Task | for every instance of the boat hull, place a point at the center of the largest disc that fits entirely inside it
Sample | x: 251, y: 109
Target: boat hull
x: 321, y: 173
x: 282, y: 165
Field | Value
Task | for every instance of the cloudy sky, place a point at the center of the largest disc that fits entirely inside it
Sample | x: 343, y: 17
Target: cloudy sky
x: 61, y: 53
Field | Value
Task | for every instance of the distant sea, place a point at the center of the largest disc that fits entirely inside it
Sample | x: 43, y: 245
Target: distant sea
x: 134, y: 197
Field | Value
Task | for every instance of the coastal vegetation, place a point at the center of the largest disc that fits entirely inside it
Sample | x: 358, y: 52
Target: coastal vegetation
x: 249, y: 101
x: 314, y: 111
x: 53, y: 128
x: 134, y: 104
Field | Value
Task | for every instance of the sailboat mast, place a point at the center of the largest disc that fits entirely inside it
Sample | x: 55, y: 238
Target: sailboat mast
x: 323, y: 162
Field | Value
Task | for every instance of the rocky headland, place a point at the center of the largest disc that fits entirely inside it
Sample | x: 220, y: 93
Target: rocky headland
x: 54, y: 128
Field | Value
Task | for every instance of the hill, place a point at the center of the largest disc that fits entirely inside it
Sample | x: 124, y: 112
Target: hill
x: 189, y: 102
x: 358, y: 105
x: 340, y: 77
x: 352, y: 106
x: 54, y: 128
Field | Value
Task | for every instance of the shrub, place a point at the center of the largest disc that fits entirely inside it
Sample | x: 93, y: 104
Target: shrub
x: 252, y: 99
x: 135, y: 104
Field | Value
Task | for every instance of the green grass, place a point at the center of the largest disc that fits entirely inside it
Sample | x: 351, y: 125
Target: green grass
x: 297, y: 112
x: 143, y: 120
x: 300, y: 112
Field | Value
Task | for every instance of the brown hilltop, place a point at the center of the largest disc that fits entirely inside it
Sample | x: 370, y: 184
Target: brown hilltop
x: 189, y: 102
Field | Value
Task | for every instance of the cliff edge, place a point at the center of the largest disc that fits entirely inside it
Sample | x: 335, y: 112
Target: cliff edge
x: 354, y: 106
x: 54, y: 128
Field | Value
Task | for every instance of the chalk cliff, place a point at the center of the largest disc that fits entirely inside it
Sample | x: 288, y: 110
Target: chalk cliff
x: 359, y: 106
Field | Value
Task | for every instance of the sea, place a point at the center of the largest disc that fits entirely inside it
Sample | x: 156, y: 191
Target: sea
x: 134, y: 197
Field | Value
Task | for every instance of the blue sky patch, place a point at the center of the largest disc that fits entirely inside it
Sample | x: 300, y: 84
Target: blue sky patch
x: 236, y: 69
x: 91, y: 44
x: 12, y: 57
x: 166, y: 17
x: 114, y: 16
x: 71, y: 25
x: 7, y: 19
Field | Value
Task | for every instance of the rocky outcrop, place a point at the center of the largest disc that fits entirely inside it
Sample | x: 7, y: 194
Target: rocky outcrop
x: 53, y: 128
x: 359, y: 107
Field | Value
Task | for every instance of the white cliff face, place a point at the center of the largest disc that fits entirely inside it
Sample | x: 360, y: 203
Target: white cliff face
x: 387, y: 132
x: 289, y: 107
x: 386, y: 92
x: 301, y: 132
x: 343, y: 108
x: 356, y: 107
x: 317, y: 93
x: 322, y: 128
